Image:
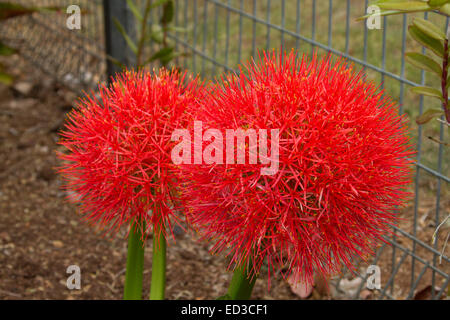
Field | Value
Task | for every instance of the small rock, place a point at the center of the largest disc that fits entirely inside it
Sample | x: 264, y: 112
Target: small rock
x: 365, y: 294
x: 350, y: 287
x: 300, y: 289
x: 22, y: 104
x: 5, y: 236
x: 43, y: 149
x: 58, y: 244
x: 13, y: 131
x: 23, y: 87
x: 86, y: 288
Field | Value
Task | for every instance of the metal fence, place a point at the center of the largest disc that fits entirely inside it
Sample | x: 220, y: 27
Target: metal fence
x: 219, y: 34
x: 74, y: 58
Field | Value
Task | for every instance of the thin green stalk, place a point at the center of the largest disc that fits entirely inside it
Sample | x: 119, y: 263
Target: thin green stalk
x: 135, y: 264
x: 158, y: 285
x: 241, y: 285
x: 143, y: 34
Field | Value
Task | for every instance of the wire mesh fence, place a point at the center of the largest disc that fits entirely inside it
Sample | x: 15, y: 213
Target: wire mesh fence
x: 75, y: 58
x: 217, y: 35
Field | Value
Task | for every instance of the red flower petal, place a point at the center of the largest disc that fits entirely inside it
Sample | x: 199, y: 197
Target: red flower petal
x: 343, y: 167
x: 118, y: 164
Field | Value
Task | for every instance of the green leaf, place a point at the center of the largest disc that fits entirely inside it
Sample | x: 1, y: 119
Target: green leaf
x: 156, y: 34
x: 167, y: 58
x: 10, y: 10
x: 423, y: 62
x: 389, y: 1
x: 161, y: 55
x: 6, y: 50
x: 134, y: 9
x: 428, y: 91
x: 116, y: 62
x: 429, y: 28
x: 167, y: 14
x: 177, y: 29
x: 398, y: 4
x: 428, y: 115
x: 434, y: 45
x: 157, y: 37
x: 437, y: 3
x: 382, y: 13
x: 6, y: 78
x: 158, y: 3
x: 127, y: 38
x: 445, y: 9
x: 224, y: 297
x: 405, y: 6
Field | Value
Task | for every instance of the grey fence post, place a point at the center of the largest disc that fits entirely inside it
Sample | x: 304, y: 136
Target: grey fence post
x: 116, y: 46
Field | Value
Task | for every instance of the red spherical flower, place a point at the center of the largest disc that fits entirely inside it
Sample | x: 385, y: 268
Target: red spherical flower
x: 118, y: 165
x: 343, y: 167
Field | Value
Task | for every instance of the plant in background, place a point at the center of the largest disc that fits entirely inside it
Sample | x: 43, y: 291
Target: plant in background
x: 437, y: 41
x: 436, y: 63
x: 10, y: 10
x: 5, y: 50
x: 118, y: 167
x: 157, y: 33
x: 343, y: 170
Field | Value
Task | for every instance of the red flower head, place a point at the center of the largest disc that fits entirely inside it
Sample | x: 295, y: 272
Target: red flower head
x: 118, y: 166
x: 342, y: 168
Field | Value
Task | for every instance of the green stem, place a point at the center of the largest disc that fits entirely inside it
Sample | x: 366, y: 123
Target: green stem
x: 135, y: 264
x: 143, y: 34
x: 445, y: 105
x: 241, y: 285
x: 158, y: 285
